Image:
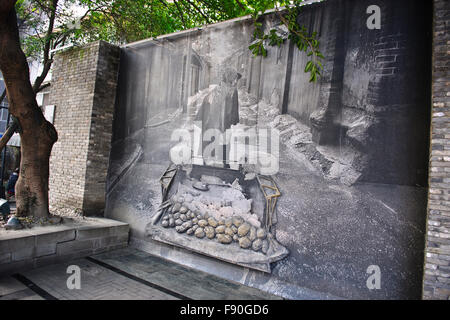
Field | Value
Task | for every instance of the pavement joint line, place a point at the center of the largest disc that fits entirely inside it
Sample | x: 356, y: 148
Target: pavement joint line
x: 34, y: 287
x: 17, y: 295
x: 140, y: 280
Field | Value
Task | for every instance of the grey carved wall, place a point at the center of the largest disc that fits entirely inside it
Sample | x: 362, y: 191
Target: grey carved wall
x: 353, y: 151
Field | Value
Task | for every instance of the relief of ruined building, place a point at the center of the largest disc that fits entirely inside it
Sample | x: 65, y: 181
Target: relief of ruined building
x: 221, y: 196
x: 240, y: 160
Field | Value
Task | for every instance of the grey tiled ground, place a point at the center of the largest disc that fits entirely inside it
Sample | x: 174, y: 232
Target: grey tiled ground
x: 123, y: 275
x: 11, y: 289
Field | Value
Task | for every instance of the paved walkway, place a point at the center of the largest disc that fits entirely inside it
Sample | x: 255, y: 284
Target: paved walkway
x: 123, y: 275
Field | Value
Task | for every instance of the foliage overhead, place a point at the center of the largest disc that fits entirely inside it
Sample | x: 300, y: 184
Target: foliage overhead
x: 49, y: 24
x: 304, y: 39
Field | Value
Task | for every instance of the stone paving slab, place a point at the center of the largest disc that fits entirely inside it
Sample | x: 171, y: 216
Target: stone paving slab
x: 192, y: 283
x: 9, y: 285
x: 125, y: 274
x: 97, y: 283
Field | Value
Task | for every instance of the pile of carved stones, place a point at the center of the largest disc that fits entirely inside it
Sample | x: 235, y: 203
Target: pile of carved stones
x: 226, y: 231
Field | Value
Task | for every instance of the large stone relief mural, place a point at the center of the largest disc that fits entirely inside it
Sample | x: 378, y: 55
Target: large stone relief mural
x: 240, y: 159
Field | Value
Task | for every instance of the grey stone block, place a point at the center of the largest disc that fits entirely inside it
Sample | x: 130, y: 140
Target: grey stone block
x: 14, y: 244
x: 74, y: 246
x: 47, y: 260
x: 5, y: 257
x: 46, y: 245
x: 45, y: 250
x: 55, y: 237
x: 23, y: 254
x: 99, y: 232
x: 116, y: 246
x: 110, y: 241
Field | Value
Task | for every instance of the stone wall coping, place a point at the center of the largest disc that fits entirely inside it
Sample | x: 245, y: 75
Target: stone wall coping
x: 77, y: 238
x: 84, y: 224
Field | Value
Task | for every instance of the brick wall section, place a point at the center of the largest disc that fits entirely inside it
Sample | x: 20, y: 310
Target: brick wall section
x: 101, y: 129
x: 83, y: 89
x: 436, y: 284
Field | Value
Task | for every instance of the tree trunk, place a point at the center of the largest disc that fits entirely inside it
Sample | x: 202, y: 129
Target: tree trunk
x: 36, y: 133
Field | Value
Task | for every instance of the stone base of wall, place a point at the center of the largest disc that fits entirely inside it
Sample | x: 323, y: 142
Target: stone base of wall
x: 32, y: 248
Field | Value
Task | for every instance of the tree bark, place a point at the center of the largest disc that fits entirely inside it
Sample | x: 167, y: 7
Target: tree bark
x: 37, y: 134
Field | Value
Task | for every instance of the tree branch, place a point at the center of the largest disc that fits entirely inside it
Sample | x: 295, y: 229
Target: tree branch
x: 299, y: 34
x: 8, y: 134
x: 38, y: 82
x: 48, y: 39
x: 240, y: 5
x: 43, y: 87
x: 199, y: 11
x: 181, y: 13
x: 16, y: 74
x: 3, y: 96
x: 60, y: 41
x: 164, y: 3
